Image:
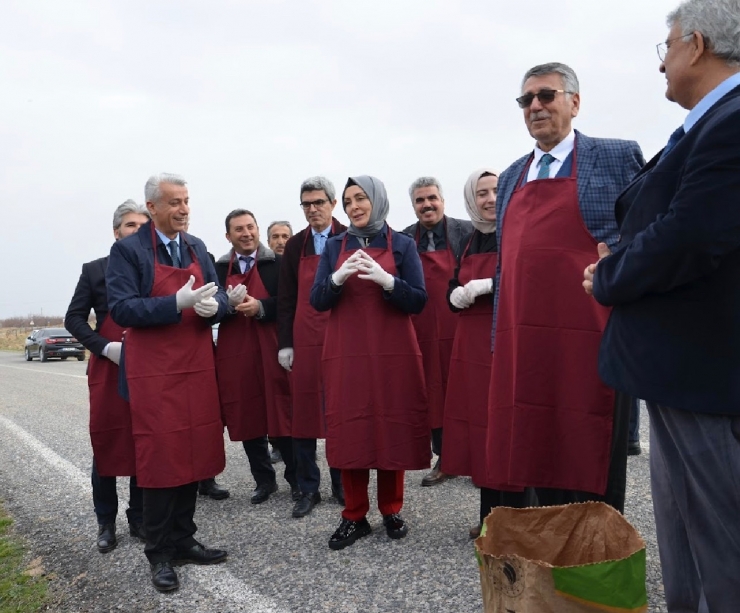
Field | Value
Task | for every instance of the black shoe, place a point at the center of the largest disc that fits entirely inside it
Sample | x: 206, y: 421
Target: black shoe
x: 164, y: 577
x: 137, y: 531
x: 395, y: 526
x: 436, y: 476
x: 198, y: 554
x: 275, y: 456
x: 338, y: 494
x: 295, y: 492
x: 348, y: 532
x: 209, y: 487
x: 306, y: 503
x: 634, y: 448
x: 262, y: 492
x: 107, y: 538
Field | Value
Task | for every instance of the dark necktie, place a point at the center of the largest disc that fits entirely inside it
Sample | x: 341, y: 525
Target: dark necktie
x: 430, y: 238
x: 247, y: 263
x: 545, y: 162
x: 677, y: 135
x: 174, y: 253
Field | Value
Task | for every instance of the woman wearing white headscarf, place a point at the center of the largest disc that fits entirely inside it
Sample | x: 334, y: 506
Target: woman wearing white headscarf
x: 371, y: 279
x: 471, y: 293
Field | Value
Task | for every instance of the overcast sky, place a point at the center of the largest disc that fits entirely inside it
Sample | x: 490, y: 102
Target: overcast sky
x: 245, y: 99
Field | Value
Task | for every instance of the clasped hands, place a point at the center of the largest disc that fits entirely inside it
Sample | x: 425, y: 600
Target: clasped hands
x: 590, y: 271
x: 464, y: 296
x: 366, y: 268
x: 201, y: 300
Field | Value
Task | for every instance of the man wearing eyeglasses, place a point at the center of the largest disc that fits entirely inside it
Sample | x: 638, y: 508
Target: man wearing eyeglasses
x: 672, y: 283
x: 553, y: 425
x: 301, y: 337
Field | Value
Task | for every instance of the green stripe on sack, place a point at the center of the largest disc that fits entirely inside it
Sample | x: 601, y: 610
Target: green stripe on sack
x: 619, y: 584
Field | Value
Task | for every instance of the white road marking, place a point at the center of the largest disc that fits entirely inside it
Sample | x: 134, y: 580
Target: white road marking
x: 44, y: 372
x: 217, y: 580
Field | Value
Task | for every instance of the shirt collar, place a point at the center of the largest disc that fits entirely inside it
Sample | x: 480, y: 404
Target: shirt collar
x: 438, y: 229
x: 708, y: 101
x: 166, y: 239
x: 559, y: 152
x: 324, y: 232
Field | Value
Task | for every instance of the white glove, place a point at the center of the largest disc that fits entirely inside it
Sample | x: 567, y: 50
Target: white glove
x: 186, y: 297
x: 370, y: 270
x: 459, y: 298
x: 347, y: 269
x: 478, y: 287
x: 113, y: 352
x: 285, y: 357
x: 207, y: 307
x: 236, y: 294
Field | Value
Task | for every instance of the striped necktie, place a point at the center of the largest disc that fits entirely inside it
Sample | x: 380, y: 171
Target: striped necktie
x: 545, y: 162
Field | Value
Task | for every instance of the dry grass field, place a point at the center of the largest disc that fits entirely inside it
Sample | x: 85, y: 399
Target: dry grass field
x: 13, y: 339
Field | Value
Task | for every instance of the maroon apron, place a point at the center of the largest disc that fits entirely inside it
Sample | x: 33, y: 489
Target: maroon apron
x: 435, y: 327
x: 376, y: 414
x: 110, y: 415
x: 253, y: 387
x: 171, y: 376
x: 550, y: 416
x: 309, y: 328
x: 466, y: 405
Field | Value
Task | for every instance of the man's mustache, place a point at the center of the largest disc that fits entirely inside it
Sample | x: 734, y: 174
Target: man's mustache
x: 428, y: 208
x: 539, y: 115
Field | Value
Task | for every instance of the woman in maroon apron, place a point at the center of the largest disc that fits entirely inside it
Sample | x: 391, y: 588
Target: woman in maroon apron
x: 550, y: 415
x: 471, y: 295
x: 371, y: 279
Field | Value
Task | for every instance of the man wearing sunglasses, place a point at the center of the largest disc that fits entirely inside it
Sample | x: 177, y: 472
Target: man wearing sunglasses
x: 672, y: 283
x: 301, y: 337
x: 553, y: 425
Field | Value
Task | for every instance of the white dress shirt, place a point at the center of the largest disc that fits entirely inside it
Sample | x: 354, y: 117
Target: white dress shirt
x: 559, y: 152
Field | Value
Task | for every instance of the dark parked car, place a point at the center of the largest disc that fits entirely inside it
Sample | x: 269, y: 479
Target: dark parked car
x: 53, y: 343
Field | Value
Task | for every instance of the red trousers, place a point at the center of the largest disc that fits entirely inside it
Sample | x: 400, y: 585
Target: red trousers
x: 356, y: 502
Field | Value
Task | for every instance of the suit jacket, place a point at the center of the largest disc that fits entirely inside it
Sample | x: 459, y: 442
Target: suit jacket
x: 90, y: 293
x: 458, y: 233
x: 288, y: 285
x: 673, y: 337
x: 268, y: 268
x: 604, y: 167
x: 130, y: 276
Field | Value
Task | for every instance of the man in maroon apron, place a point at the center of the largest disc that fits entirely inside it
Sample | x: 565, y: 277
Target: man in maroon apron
x: 254, y: 389
x: 552, y: 423
x: 301, y: 330
x: 162, y: 286
x: 110, y: 417
x: 440, y: 241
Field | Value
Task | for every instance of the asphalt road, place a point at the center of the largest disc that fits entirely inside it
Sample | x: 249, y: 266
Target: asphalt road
x: 276, y: 564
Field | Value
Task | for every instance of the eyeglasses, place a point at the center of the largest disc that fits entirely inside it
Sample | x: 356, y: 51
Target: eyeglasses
x: 544, y: 96
x: 314, y: 203
x: 662, y: 48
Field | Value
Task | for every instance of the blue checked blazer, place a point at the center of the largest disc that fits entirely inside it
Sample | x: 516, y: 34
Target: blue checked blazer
x: 605, y: 166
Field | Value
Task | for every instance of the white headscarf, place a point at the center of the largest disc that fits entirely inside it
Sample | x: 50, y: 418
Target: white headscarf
x: 471, y: 185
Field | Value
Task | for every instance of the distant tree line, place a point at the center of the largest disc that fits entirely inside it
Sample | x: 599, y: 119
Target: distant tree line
x: 40, y: 320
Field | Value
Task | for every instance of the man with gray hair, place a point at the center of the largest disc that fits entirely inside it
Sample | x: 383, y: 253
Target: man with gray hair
x: 440, y: 241
x: 552, y: 424
x: 673, y: 337
x: 301, y: 337
x: 278, y: 233
x: 110, y: 415
x: 162, y: 287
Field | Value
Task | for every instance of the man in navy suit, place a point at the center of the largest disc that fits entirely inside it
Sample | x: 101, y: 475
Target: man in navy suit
x: 162, y: 287
x: 673, y: 283
x: 553, y: 425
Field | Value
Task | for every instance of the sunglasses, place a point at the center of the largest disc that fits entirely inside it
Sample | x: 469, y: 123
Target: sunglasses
x: 544, y: 96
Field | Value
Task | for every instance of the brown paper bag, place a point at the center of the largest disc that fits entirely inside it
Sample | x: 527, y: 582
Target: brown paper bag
x: 576, y: 558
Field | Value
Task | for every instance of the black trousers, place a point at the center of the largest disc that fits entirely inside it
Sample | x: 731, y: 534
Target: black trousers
x: 490, y: 499
x: 616, y: 483
x: 168, y: 521
x: 437, y: 441
x: 259, y: 459
x: 105, y: 499
x: 307, y: 471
